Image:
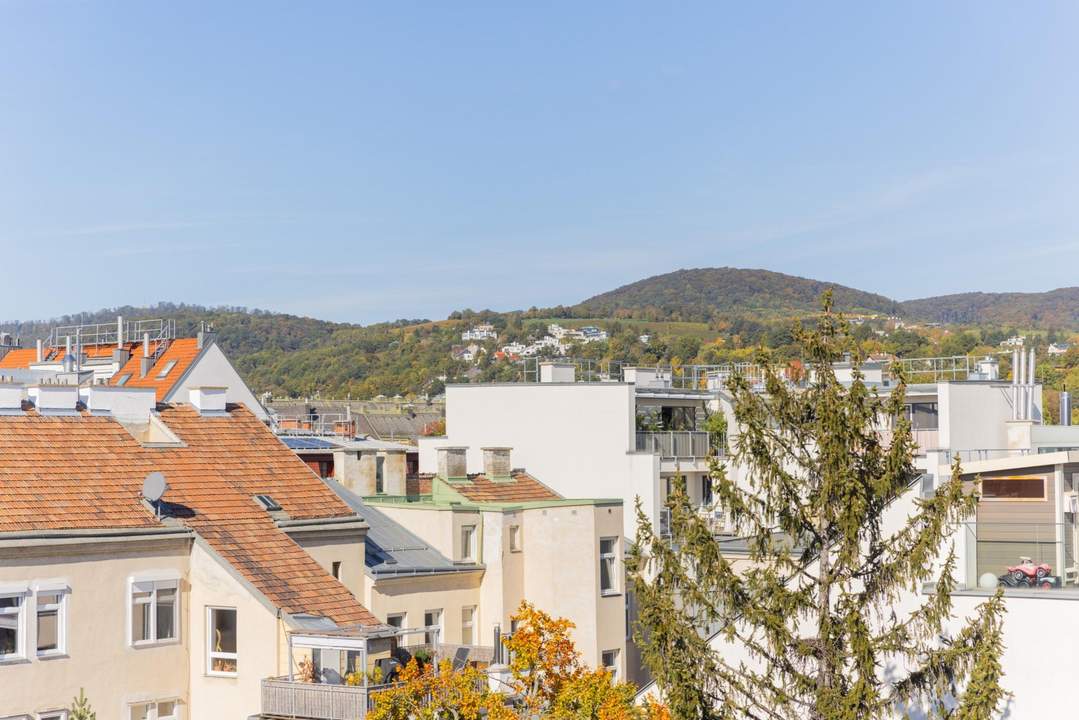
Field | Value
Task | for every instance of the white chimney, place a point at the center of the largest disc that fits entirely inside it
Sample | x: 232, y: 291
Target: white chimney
x: 208, y: 400
x: 124, y: 403
x: 557, y: 372
x: 12, y: 396
x: 496, y: 463
x: 119, y: 331
x: 452, y: 463
x: 55, y: 399
x: 40, y: 350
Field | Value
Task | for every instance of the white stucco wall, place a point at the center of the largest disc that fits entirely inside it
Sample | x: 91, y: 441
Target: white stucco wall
x: 577, y: 438
x: 260, y: 642
x: 214, y: 369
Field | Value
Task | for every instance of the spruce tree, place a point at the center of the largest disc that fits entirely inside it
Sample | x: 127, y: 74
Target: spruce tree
x: 841, y: 617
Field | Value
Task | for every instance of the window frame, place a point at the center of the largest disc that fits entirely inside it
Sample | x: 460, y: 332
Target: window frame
x: 20, y: 614
x: 1015, y: 478
x: 63, y: 591
x: 612, y: 668
x: 164, y: 373
x: 58, y: 714
x: 611, y: 559
x: 391, y: 616
x: 468, y: 549
x: 212, y: 654
x: 440, y: 624
x: 155, y: 709
x: 470, y: 624
x: 157, y: 582
x: 335, y: 569
x: 516, y: 539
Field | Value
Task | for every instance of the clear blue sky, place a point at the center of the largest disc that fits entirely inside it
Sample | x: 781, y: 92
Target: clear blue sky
x: 369, y: 161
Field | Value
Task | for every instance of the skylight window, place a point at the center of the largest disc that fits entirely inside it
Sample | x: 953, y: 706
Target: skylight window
x: 122, y: 380
x: 268, y: 503
x: 167, y: 369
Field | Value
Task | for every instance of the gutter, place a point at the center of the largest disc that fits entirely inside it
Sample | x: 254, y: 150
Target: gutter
x: 76, y: 537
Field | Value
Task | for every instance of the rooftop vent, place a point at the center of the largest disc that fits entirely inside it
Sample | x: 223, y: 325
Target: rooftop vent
x: 558, y: 372
x: 55, y: 399
x: 209, y: 400
x: 12, y: 395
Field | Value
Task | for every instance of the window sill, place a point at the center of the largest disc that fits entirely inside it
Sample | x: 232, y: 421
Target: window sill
x: 610, y: 593
x: 226, y: 675
x: 53, y: 655
x: 153, y: 644
x: 14, y: 660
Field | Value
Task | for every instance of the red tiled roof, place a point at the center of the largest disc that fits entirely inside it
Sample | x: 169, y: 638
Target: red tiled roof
x: 19, y: 358
x: 84, y: 472
x: 522, y: 487
x: 182, y: 350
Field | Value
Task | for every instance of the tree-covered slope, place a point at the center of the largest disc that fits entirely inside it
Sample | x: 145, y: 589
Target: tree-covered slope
x: 1058, y: 308
x: 702, y: 294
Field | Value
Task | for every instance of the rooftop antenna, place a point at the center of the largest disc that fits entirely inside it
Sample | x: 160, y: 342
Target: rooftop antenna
x: 153, y: 489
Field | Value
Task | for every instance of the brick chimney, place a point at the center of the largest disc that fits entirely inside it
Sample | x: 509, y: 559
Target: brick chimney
x: 496, y: 463
x: 452, y: 463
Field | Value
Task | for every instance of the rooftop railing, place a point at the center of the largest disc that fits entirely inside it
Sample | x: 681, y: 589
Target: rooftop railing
x: 1022, y: 555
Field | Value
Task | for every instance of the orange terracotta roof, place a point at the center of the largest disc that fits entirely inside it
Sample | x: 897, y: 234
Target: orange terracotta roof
x: 86, y: 472
x: 522, y: 487
x: 18, y: 359
x: 182, y: 351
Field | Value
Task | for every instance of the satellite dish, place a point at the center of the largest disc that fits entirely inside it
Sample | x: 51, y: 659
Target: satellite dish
x: 154, y: 486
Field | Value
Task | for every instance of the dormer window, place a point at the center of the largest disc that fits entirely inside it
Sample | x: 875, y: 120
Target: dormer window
x: 122, y: 380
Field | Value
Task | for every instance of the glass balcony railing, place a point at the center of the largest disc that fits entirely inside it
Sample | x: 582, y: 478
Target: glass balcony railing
x: 677, y: 444
x: 1025, y: 556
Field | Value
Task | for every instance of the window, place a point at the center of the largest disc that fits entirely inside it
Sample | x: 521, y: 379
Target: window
x: 160, y: 710
x: 1029, y: 487
x: 122, y: 380
x: 468, y: 620
x: 167, y: 369
x: 396, y: 620
x: 706, y: 490
x: 336, y: 569
x: 608, y: 565
x: 51, y: 621
x: 155, y: 611
x: 515, y: 538
x: 12, y: 625
x: 433, y: 619
x: 221, y: 641
x: 922, y: 416
x: 268, y: 503
x: 468, y: 543
x: 52, y: 715
x: 610, y: 662
x: 380, y: 462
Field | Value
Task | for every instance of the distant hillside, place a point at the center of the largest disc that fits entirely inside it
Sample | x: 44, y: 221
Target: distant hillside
x: 1055, y: 308
x: 703, y: 293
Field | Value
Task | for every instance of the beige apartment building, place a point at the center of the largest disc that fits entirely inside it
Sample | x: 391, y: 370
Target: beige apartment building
x: 167, y: 605
x: 491, y: 539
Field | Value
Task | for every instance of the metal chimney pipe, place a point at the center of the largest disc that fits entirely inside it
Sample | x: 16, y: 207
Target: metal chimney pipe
x: 1022, y: 383
x: 119, y: 331
x: 1030, y: 389
x: 1015, y: 384
x: 1065, y: 407
x: 146, y: 344
x: 40, y: 350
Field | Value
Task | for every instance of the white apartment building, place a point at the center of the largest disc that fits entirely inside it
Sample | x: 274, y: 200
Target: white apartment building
x: 480, y: 333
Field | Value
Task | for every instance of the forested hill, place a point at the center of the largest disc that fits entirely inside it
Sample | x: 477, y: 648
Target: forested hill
x: 702, y: 294
x: 1055, y: 308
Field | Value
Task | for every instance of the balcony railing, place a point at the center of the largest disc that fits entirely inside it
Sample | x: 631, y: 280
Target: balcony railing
x: 677, y: 444
x: 314, y: 701
x: 1000, y: 546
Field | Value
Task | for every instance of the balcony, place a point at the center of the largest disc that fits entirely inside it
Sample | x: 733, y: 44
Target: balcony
x: 674, y: 445
x: 284, y: 698
x: 995, y: 551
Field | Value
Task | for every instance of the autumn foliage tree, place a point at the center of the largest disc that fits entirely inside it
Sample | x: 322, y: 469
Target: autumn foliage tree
x: 547, y: 679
